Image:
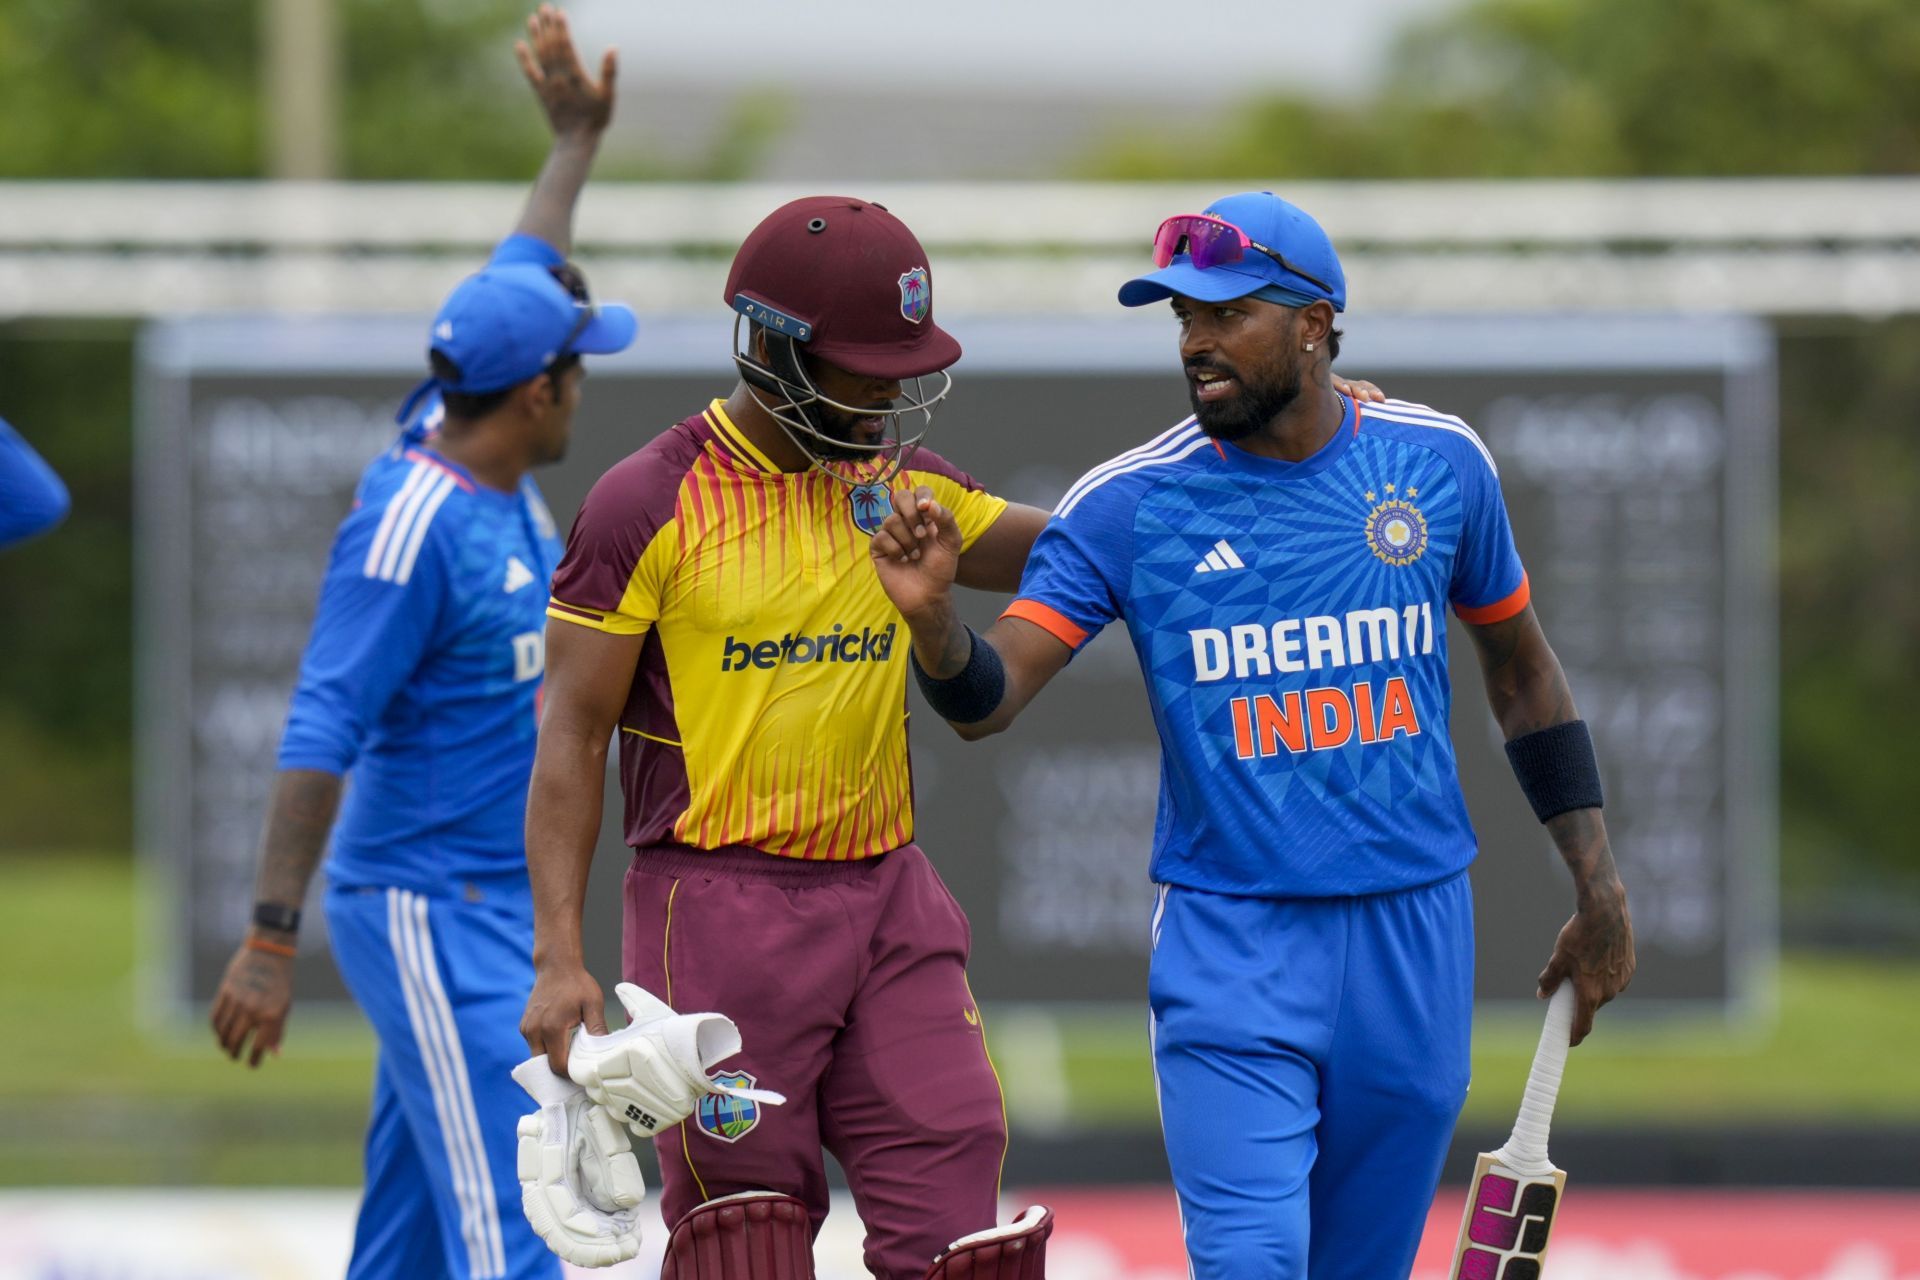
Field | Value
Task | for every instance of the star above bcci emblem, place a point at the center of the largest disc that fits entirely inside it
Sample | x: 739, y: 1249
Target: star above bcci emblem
x: 869, y: 505
x: 728, y: 1118
x: 916, y: 294
x: 1396, y: 529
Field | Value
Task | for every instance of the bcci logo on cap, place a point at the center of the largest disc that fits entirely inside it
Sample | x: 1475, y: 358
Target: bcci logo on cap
x: 1396, y: 529
x: 724, y: 1117
x: 916, y: 295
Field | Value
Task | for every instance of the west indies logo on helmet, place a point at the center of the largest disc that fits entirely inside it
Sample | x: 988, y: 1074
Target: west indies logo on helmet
x: 841, y: 282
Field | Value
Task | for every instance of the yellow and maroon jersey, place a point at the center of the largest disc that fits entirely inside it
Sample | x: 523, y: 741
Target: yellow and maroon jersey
x: 769, y: 707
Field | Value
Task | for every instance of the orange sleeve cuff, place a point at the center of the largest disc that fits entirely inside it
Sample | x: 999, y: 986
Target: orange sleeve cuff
x: 1499, y: 610
x: 1051, y: 621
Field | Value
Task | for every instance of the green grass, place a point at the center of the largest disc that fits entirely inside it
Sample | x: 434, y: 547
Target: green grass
x: 1841, y: 1047
x: 91, y: 1093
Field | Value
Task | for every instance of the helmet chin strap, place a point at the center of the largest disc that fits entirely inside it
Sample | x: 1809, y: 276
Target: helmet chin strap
x: 799, y: 408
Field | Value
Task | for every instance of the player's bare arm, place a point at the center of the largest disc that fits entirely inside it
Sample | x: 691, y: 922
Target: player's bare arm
x: 1528, y: 693
x: 916, y: 554
x: 998, y: 556
x: 256, y: 992
x: 588, y: 675
x: 578, y: 109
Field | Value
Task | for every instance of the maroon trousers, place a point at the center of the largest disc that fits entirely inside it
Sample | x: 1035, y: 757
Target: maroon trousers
x: 848, y: 982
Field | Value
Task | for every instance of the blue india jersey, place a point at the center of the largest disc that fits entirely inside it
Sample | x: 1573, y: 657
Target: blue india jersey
x: 1289, y: 618
x: 422, y: 674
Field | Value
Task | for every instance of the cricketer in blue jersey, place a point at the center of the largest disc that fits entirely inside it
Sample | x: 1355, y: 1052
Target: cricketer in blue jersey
x: 1283, y: 561
x: 421, y: 680
x: 32, y: 499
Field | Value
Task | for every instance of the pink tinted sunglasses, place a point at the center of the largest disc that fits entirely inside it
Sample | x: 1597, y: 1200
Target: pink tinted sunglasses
x: 1208, y: 242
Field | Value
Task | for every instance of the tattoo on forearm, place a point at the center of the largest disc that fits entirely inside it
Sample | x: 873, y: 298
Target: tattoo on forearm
x: 1540, y: 704
x: 304, y: 805
x: 1581, y: 837
x: 959, y: 647
x: 1526, y: 687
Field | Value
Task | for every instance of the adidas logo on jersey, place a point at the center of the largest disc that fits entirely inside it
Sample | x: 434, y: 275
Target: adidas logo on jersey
x: 1220, y: 559
x: 518, y: 575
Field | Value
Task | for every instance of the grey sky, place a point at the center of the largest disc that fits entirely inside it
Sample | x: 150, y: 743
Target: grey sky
x: 1144, y: 48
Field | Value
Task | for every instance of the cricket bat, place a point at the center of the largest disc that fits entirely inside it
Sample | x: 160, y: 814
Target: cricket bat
x: 1516, y: 1190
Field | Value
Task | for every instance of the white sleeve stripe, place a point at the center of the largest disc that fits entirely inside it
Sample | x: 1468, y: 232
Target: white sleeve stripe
x: 1458, y: 428
x: 413, y: 527
x: 419, y: 535
x: 397, y: 540
x: 1165, y: 439
x: 1160, y: 446
x: 390, y: 517
x: 1424, y: 410
x: 1066, y: 508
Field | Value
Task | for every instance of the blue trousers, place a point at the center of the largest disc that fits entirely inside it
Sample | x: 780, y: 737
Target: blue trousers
x: 444, y: 982
x: 1311, y: 1056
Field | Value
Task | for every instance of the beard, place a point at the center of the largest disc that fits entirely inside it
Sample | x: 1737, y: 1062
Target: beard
x: 1255, y: 405
x: 839, y: 427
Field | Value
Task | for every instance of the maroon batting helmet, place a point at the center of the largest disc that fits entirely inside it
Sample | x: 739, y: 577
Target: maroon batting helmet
x: 847, y: 282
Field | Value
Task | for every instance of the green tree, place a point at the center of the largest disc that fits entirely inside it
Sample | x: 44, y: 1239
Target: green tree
x: 171, y: 89
x: 1849, y: 605
x: 1595, y: 88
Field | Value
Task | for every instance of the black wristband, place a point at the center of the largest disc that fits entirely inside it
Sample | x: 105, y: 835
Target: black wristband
x: 1557, y: 769
x: 972, y: 694
x: 274, y: 915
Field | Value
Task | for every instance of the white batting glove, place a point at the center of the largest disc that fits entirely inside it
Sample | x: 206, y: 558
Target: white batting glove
x: 580, y: 1185
x: 653, y: 1072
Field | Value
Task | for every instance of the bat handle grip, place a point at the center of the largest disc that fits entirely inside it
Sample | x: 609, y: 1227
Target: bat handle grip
x: 1528, y: 1145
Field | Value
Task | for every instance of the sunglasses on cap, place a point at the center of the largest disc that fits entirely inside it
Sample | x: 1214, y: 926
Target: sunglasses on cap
x: 1209, y: 242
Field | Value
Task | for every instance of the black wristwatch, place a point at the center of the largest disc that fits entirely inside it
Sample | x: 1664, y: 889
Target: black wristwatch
x: 274, y: 915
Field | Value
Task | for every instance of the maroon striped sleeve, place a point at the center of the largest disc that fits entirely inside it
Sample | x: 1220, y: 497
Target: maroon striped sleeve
x: 622, y: 513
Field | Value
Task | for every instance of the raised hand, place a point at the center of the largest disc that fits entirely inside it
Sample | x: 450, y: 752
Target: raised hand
x: 574, y: 103
x: 916, y: 552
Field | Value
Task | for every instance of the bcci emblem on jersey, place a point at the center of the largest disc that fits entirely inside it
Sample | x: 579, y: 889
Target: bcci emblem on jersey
x: 725, y: 1117
x: 916, y: 294
x: 1396, y: 529
x: 869, y: 504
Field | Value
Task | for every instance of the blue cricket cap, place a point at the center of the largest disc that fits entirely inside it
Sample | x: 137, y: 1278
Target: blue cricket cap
x: 1286, y: 229
x: 507, y: 323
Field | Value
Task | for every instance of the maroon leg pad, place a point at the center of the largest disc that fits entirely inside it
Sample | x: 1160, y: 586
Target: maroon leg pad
x: 1017, y: 1251
x: 756, y: 1235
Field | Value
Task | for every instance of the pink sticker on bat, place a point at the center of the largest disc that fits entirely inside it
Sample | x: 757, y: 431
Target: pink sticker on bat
x: 1477, y: 1264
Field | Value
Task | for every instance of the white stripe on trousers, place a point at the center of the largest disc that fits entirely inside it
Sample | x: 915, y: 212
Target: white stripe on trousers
x: 438, y: 1039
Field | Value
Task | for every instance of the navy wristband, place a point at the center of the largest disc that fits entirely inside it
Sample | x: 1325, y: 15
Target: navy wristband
x: 1557, y: 769
x: 970, y: 695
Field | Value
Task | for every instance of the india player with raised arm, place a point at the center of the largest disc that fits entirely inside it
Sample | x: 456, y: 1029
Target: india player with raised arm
x: 1283, y: 561
x: 421, y: 678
